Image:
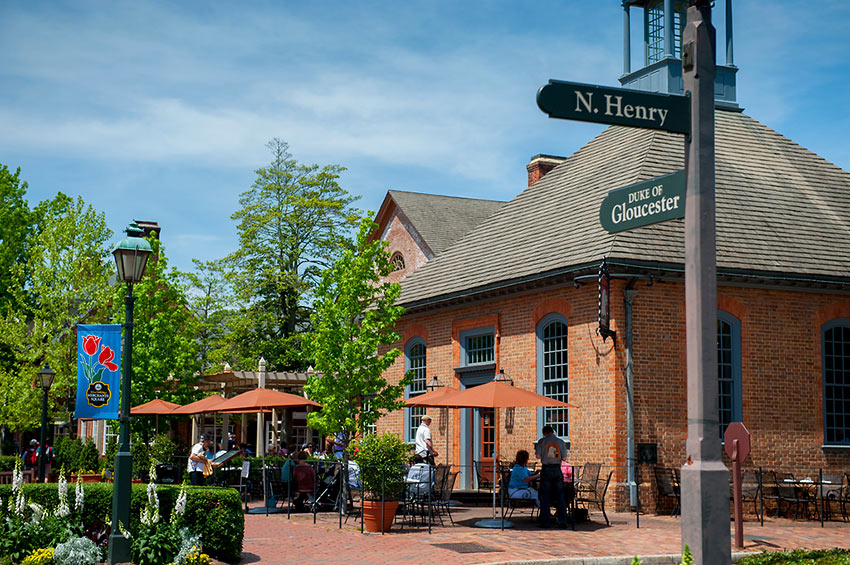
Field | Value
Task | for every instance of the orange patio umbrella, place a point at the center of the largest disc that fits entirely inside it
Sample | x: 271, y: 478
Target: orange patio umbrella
x: 499, y: 393
x: 154, y: 408
x: 201, y: 406
x: 428, y: 399
x: 258, y: 400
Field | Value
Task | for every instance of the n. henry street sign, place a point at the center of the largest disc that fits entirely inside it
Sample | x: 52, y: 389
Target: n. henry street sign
x: 618, y: 106
x: 648, y: 202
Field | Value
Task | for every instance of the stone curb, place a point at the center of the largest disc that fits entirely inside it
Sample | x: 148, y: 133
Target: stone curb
x: 668, y: 559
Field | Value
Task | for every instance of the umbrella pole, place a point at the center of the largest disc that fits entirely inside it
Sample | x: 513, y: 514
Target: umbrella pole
x: 265, y: 483
x: 494, y: 523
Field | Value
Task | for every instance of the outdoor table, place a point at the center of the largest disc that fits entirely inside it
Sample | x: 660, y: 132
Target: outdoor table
x: 410, y: 483
x: 813, y: 489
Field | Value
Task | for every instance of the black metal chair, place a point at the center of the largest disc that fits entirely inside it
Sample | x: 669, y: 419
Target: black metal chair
x: 597, y: 497
x: 831, y: 491
x: 588, y: 479
x: 513, y: 503
x: 667, y: 485
x: 792, y: 492
x: 483, y: 475
x: 442, y: 501
x: 751, y: 490
x: 769, y: 491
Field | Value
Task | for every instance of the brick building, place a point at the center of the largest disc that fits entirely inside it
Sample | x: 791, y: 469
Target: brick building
x: 519, y: 292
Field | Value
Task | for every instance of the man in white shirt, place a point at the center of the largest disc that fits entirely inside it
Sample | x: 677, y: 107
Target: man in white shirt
x: 424, y: 448
x: 196, y: 460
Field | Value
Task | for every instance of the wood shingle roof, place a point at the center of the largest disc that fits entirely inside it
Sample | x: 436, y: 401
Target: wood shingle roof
x: 781, y: 210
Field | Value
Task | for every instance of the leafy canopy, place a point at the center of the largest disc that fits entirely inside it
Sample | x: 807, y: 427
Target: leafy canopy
x: 355, y: 314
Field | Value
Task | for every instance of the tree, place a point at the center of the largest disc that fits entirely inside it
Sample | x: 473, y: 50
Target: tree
x: 165, y: 356
x: 67, y: 282
x: 293, y: 223
x: 354, y: 317
x: 17, y: 223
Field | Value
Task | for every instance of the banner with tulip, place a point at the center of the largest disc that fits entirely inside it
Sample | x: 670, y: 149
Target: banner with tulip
x: 98, y: 371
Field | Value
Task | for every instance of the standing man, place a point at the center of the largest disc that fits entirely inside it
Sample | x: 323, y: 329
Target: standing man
x: 197, y: 459
x: 551, y: 450
x: 424, y: 448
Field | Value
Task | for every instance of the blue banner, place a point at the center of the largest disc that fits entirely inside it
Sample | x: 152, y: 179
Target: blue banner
x: 98, y: 371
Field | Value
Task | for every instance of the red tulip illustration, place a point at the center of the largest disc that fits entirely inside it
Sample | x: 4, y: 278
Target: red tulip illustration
x: 90, y: 343
x: 106, y: 357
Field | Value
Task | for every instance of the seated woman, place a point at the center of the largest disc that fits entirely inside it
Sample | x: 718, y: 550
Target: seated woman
x: 518, y: 486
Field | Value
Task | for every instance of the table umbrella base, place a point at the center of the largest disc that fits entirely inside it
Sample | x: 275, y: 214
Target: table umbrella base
x: 494, y: 523
x: 262, y: 510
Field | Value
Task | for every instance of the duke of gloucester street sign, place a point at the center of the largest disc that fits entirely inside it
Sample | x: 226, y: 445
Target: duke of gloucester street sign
x: 617, y: 106
x: 648, y: 202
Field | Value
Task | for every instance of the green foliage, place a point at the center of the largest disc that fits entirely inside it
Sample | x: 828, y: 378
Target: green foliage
x: 108, y: 461
x: 74, y: 455
x: 164, y: 345
x: 17, y: 222
x: 7, y: 462
x: 67, y: 282
x: 293, y: 223
x: 802, y: 557
x: 381, y: 459
x: 687, y: 558
x: 77, y: 551
x: 155, y: 544
x: 162, y: 449
x: 636, y: 561
x: 210, y: 298
x: 141, y: 456
x: 213, y: 512
x: 354, y: 317
x: 20, y: 536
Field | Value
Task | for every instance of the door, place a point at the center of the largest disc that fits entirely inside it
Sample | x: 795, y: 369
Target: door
x: 486, y: 444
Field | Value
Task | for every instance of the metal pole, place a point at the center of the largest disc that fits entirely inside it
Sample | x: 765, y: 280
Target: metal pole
x: 119, y: 546
x: 668, y: 28
x: 629, y: 293
x: 42, y: 451
x: 761, y: 497
x: 730, y: 57
x: 820, y: 492
x: 627, y: 39
x: 705, y: 480
x: 739, y: 511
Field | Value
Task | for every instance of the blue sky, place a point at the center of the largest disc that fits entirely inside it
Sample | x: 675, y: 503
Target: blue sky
x: 161, y: 110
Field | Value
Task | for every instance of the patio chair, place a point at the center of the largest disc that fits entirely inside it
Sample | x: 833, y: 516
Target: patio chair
x: 845, y: 495
x: 512, y: 504
x: 667, y: 485
x: 597, y: 497
x: 305, y: 485
x: 483, y: 475
x: 751, y: 490
x: 831, y: 491
x: 588, y: 479
x: 442, y: 501
x: 769, y: 491
x: 791, y: 492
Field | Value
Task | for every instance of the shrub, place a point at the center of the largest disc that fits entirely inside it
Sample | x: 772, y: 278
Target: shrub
x: 141, y: 456
x: 42, y: 556
x: 162, y: 449
x: 213, y: 512
x: 7, y: 462
x: 75, y: 455
x: 381, y: 459
x: 816, y: 557
x: 77, y: 551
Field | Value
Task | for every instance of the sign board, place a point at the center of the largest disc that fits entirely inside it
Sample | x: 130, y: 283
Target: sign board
x: 644, y: 203
x: 98, y: 371
x: 615, y: 106
x: 737, y: 431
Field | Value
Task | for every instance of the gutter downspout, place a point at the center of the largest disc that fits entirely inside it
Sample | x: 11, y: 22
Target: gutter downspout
x: 629, y: 294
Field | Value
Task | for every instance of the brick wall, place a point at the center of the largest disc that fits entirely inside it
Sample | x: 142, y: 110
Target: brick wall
x: 781, y: 373
x: 402, y: 240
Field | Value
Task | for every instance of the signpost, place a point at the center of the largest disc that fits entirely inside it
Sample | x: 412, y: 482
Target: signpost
x: 736, y: 440
x: 644, y: 203
x: 615, y: 106
x: 705, y: 511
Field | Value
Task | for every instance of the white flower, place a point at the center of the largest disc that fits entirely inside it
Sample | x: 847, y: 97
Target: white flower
x: 37, y: 512
x: 20, y: 503
x: 80, y: 495
x: 63, y: 509
x: 180, y: 505
x: 17, y: 478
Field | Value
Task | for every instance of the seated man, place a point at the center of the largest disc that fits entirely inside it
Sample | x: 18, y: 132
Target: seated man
x: 521, y: 476
x: 304, y: 476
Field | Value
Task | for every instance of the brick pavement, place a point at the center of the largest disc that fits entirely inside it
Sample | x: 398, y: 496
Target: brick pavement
x: 274, y: 539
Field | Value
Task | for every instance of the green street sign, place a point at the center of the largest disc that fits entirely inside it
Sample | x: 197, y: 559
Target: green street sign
x: 617, y: 106
x: 644, y: 203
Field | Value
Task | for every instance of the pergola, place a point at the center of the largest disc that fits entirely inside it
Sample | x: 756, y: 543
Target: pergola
x: 229, y: 383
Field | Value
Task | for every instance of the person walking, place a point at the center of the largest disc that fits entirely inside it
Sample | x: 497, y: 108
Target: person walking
x: 425, y: 451
x: 197, y: 460
x: 551, y: 450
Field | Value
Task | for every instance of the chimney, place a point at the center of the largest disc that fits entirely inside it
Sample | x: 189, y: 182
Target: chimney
x: 540, y: 165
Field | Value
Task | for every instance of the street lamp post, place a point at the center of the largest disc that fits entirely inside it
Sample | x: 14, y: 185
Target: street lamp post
x: 131, y: 257
x: 46, y: 377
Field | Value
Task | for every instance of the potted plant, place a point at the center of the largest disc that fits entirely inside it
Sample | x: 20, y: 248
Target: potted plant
x: 381, y: 459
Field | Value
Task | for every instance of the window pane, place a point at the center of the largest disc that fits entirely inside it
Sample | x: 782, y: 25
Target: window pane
x: 480, y: 349
x: 555, y: 376
x: 418, y: 371
x: 725, y: 375
x: 836, y: 378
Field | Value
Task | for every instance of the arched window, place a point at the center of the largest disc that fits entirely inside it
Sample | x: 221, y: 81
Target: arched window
x: 398, y: 261
x: 553, y: 372
x: 835, y: 338
x: 415, y: 365
x: 728, y: 369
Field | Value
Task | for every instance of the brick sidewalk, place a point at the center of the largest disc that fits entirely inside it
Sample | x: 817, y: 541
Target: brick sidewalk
x: 274, y: 539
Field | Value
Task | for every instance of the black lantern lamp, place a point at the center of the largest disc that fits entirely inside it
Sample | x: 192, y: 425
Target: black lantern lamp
x: 45, y: 376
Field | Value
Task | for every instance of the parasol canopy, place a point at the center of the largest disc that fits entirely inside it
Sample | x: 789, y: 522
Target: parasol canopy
x: 438, y: 395
x: 154, y: 407
x: 201, y: 406
x: 259, y: 398
x: 496, y: 394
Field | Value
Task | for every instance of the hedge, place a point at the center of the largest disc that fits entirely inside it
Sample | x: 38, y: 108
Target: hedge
x: 213, y: 512
x: 7, y: 462
x: 803, y: 557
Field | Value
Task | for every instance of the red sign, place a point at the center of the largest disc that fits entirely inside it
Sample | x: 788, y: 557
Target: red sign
x: 737, y: 431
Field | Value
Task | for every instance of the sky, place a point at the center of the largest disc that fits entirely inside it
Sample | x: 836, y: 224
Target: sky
x: 161, y: 110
